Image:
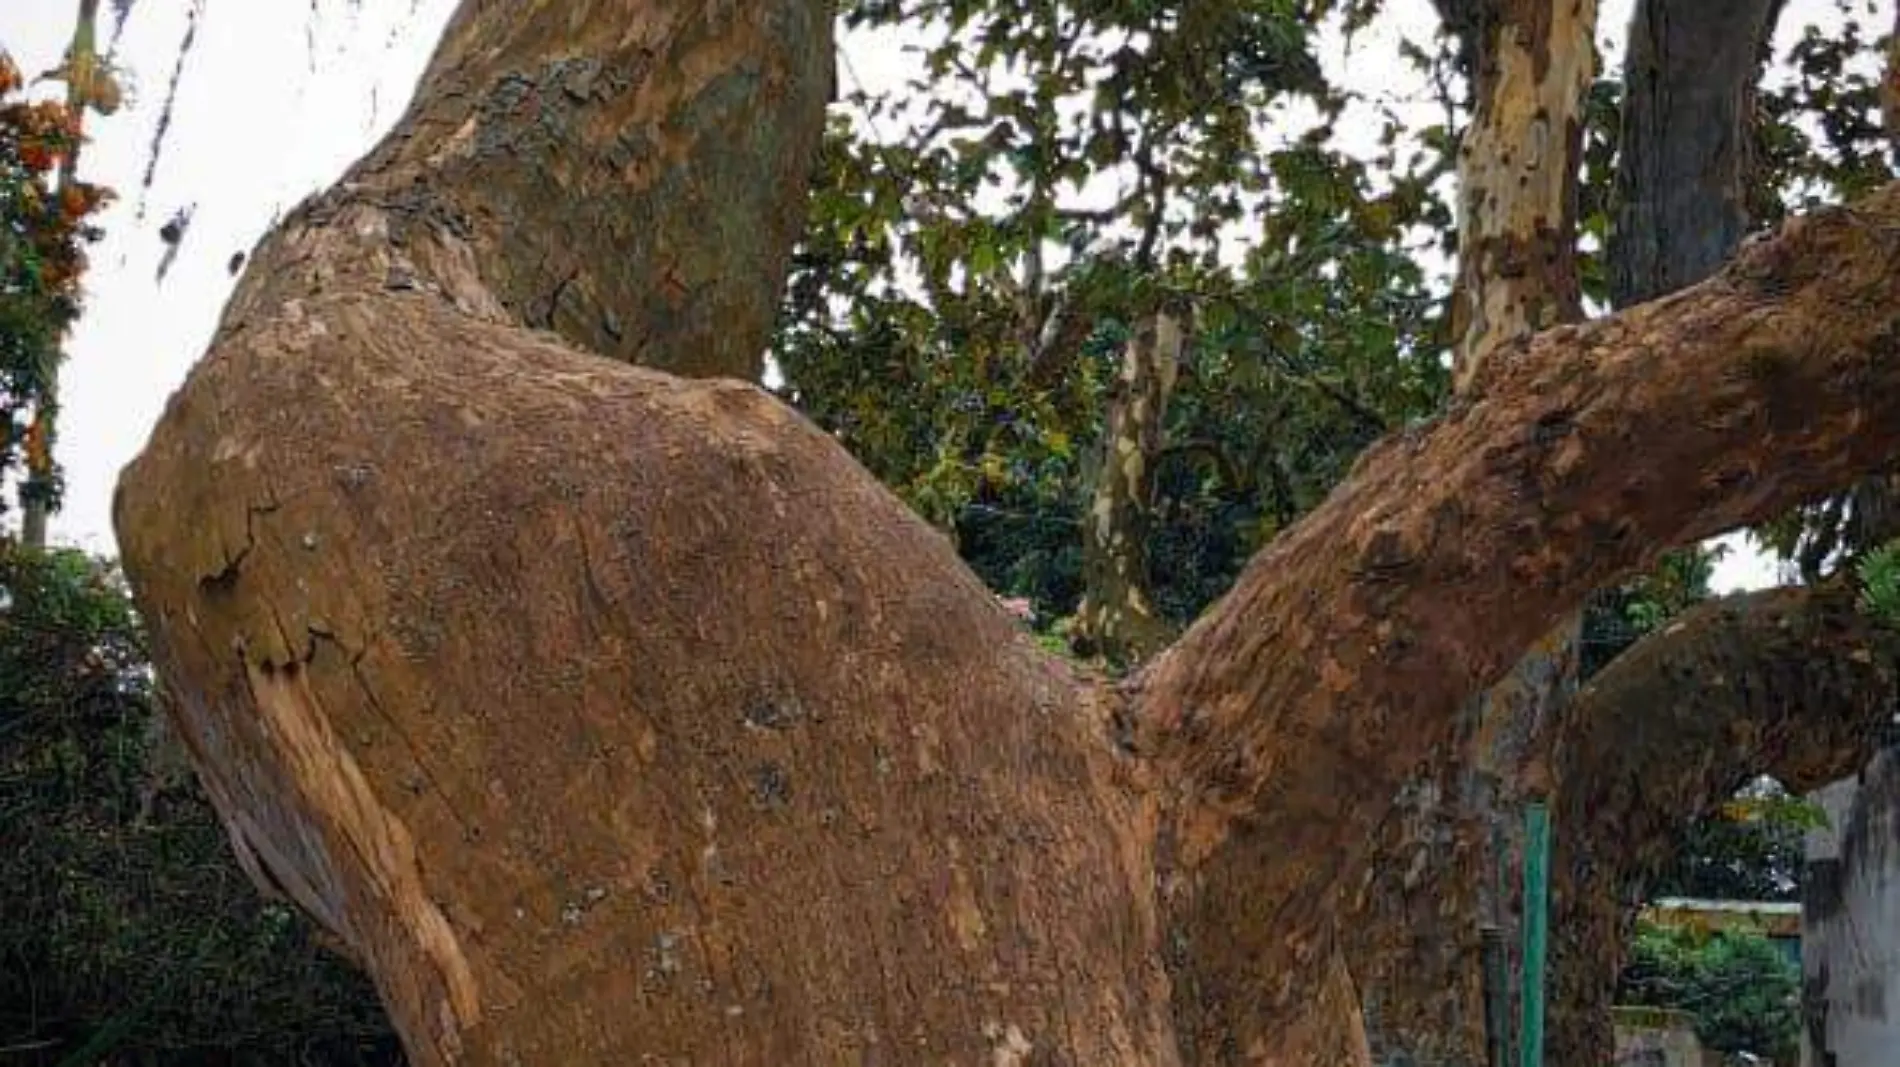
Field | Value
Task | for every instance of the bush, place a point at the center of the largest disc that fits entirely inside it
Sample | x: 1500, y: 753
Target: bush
x: 1744, y: 993
x: 128, y: 934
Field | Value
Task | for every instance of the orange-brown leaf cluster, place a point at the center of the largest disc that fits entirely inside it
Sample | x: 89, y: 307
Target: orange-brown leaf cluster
x: 45, y: 225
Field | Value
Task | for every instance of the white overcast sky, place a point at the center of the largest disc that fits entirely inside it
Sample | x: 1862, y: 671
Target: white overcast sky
x: 268, y: 112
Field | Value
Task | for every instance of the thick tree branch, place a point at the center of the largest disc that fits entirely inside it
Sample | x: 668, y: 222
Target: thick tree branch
x: 1796, y: 683
x: 616, y: 172
x: 1287, y: 718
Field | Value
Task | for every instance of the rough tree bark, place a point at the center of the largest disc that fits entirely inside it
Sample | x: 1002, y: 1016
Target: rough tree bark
x: 608, y: 717
x: 1686, y: 158
x: 1452, y: 835
x: 1117, y: 616
x: 1685, y: 155
x: 1797, y: 683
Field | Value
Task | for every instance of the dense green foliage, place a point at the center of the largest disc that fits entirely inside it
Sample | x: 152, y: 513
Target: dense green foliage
x: 1743, y: 990
x: 984, y: 236
x: 129, y: 934
x: 1749, y: 850
x: 1879, y: 572
x: 957, y: 309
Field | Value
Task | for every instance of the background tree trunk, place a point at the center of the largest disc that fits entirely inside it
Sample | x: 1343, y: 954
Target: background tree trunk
x: 605, y: 716
x: 1687, y: 148
x: 41, y: 485
x: 1117, y: 616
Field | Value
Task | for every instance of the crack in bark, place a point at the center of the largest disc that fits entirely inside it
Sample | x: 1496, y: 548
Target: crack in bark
x: 554, y: 300
x: 225, y: 577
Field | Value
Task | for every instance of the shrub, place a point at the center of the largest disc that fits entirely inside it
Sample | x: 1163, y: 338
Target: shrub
x: 128, y: 933
x: 1744, y: 993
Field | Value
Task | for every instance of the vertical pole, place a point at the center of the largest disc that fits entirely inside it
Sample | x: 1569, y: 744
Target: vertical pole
x: 1536, y: 913
x: 1497, y: 997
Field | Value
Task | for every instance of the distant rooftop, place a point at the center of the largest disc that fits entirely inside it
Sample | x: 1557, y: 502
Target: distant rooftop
x: 1753, y: 907
x: 1774, y: 918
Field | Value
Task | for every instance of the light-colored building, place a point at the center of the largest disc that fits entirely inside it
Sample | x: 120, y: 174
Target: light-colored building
x: 1850, y: 948
x: 1778, y: 921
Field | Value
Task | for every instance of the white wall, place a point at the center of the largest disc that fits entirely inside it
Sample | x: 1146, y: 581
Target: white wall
x: 1850, y: 954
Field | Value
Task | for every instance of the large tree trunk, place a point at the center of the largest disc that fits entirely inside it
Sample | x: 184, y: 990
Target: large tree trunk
x: 1451, y: 843
x: 610, y: 718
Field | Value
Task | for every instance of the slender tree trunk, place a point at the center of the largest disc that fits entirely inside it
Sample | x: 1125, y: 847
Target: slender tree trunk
x: 608, y: 717
x: 1117, y: 616
x: 1517, y: 177
x: 41, y: 470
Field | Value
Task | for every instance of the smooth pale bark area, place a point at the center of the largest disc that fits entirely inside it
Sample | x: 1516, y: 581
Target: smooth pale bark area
x: 610, y: 718
x: 1117, y: 617
x: 1450, y: 848
x: 1795, y: 683
x: 1517, y: 181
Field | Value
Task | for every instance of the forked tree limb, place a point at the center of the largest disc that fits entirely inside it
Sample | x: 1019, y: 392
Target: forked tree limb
x: 606, y: 715
x: 1289, y: 714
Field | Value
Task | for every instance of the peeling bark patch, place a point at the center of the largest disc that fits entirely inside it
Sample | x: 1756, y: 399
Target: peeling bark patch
x: 1011, y: 1045
x: 1517, y: 197
x: 965, y: 916
x: 333, y: 786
